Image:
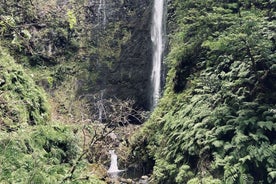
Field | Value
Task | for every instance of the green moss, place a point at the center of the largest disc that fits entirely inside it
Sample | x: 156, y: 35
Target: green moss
x: 22, y: 102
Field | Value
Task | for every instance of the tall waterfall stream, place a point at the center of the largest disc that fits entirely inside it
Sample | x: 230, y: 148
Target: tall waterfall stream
x: 158, y: 48
x: 157, y: 33
x: 102, y: 12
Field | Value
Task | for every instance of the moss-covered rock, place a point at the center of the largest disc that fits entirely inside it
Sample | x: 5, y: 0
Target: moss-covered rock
x: 120, y: 50
x: 109, y: 40
x: 22, y: 102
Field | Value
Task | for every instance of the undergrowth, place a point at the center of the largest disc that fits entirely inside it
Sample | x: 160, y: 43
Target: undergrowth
x: 22, y: 102
x: 216, y: 120
x: 42, y: 154
x: 33, y: 149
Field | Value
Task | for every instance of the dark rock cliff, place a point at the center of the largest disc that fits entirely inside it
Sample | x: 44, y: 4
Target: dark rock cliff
x: 120, y: 64
x: 104, y: 45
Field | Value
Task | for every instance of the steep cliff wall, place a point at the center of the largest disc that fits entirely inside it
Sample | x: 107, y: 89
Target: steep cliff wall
x: 105, y: 44
x: 121, y: 62
x: 76, y: 50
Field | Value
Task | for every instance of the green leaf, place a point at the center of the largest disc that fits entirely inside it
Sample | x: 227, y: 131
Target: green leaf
x: 267, y: 125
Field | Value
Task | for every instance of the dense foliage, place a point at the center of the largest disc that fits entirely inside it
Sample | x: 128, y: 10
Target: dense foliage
x: 216, y: 122
x: 71, y: 49
x: 22, y: 102
x: 32, y: 148
x: 40, y: 155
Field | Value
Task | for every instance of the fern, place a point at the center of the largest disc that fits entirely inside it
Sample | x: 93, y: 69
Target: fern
x: 231, y: 174
x: 267, y: 125
x: 271, y: 176
x: 237, y: 174
x: 240, y: 138
x: 224, y: 109
x: 205, y: 180
x: 184, y: 174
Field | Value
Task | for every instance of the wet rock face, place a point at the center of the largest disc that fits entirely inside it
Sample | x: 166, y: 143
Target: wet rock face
x: 120, y: 34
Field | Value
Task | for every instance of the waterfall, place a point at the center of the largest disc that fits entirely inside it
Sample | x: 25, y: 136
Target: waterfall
x: 157, y: 42
x: 101, y: 108
x: 102, y: 12
x: 113, y: 169
x: 113, y: 165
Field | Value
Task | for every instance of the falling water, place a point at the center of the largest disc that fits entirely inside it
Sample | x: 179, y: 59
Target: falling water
x: 113, y: 170
x: 102, y: 12
x: 113, y: 165
x: 157, y: 42
x: 101, y: 107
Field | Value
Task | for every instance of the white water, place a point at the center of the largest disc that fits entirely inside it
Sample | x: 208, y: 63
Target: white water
x: 113, y: 169
x: 157, y: 41
x: 102, y: 12
x: 100, y: 105
x: 113, y: 165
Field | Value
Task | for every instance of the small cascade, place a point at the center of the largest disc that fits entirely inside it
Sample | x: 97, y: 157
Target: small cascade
x: 102, y: 12
x: 157, y: 29
x: 113, y: 170
x: 100, y: 106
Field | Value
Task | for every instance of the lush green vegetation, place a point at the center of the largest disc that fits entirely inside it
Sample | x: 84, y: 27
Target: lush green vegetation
x: 39, y: 141
x: 216, y: 122
x: 32, y: 148
x: 53, y: 56
x: 22, y: 102
x: 40, y: 154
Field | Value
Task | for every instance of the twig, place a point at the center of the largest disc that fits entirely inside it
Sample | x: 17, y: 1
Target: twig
x: 93, y: 141
x: 84, y: 138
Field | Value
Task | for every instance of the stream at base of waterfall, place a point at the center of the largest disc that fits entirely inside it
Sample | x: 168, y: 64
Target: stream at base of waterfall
x: 114, y: 172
